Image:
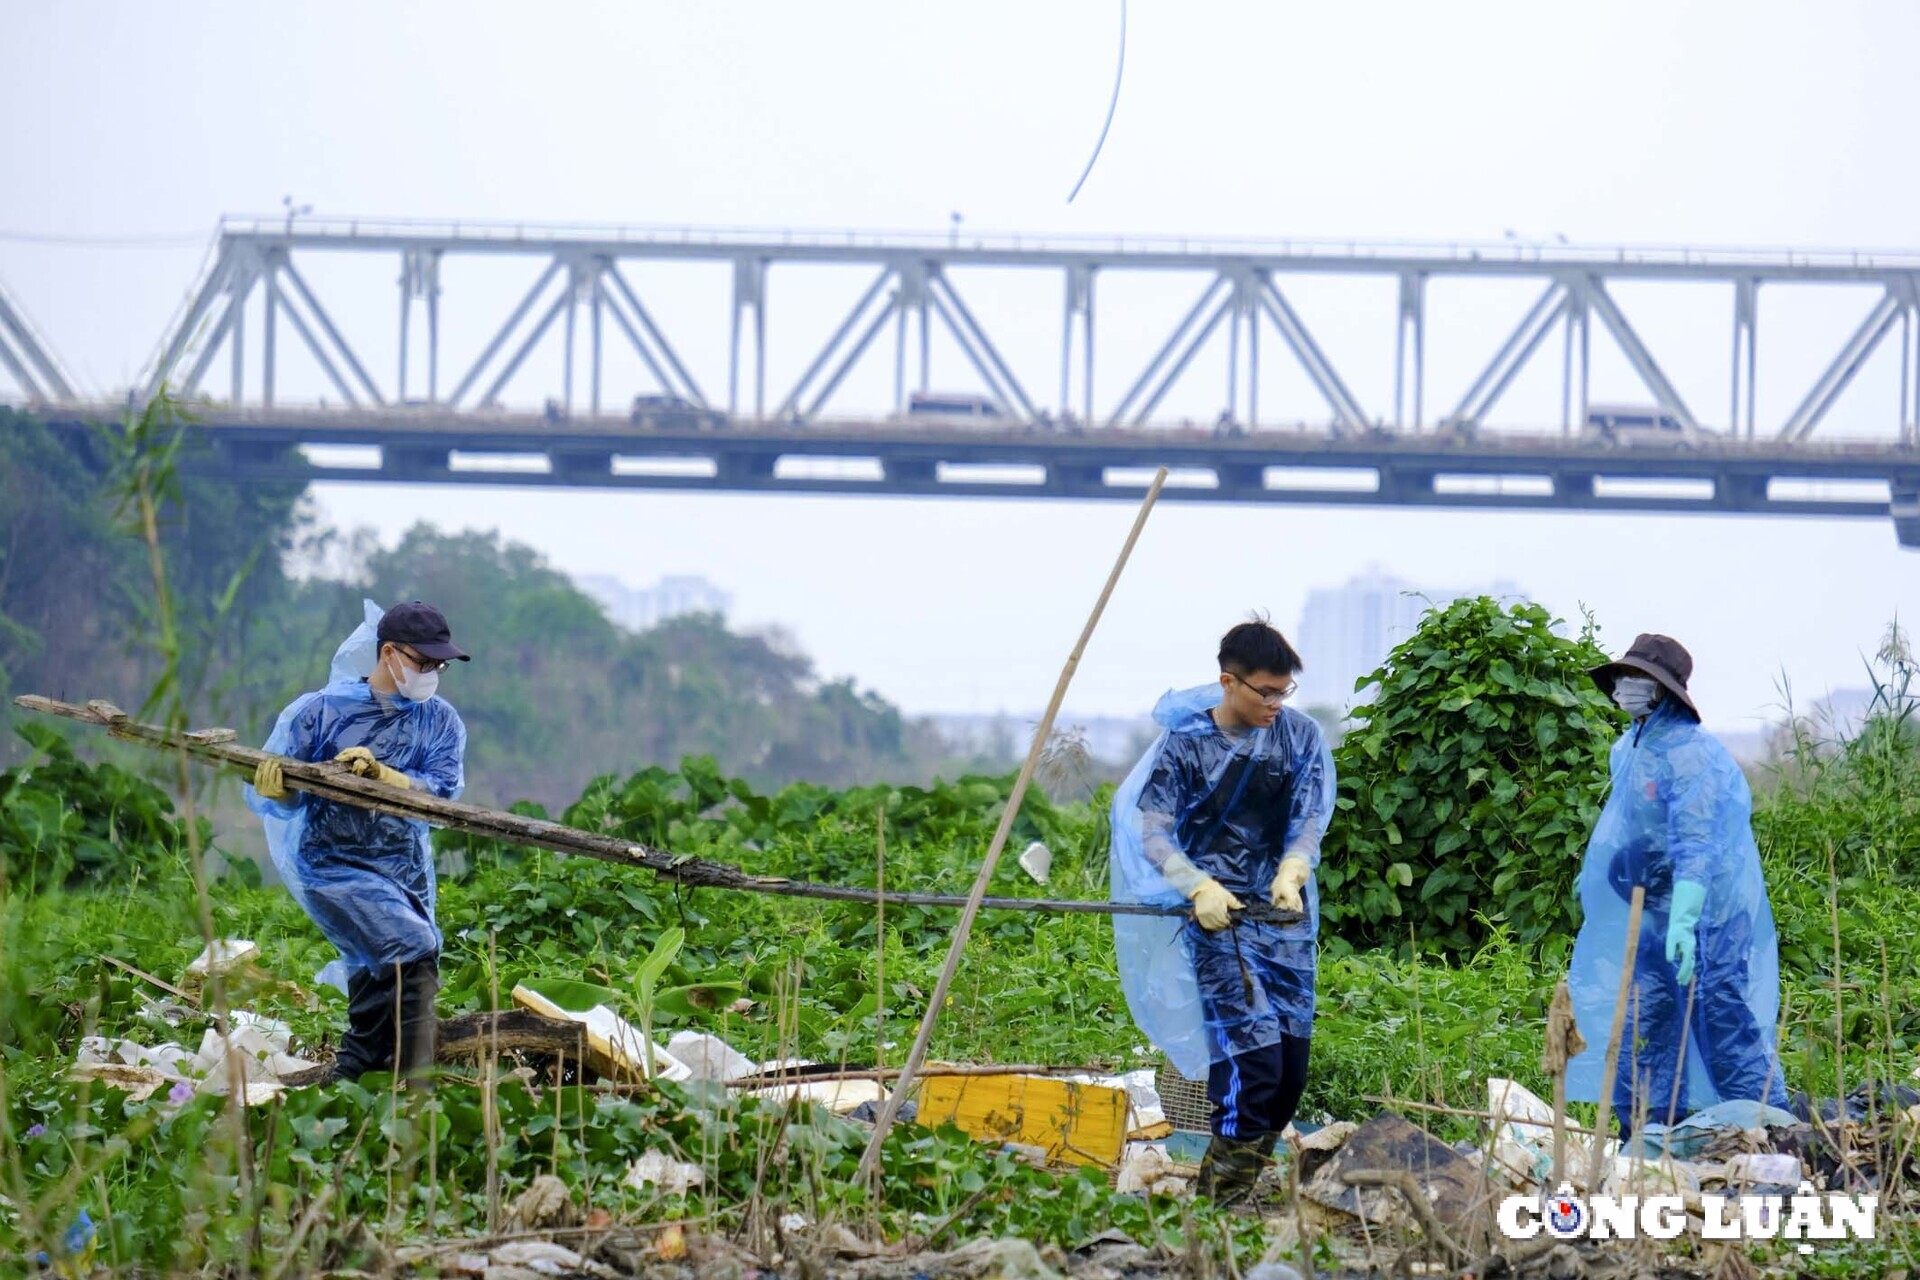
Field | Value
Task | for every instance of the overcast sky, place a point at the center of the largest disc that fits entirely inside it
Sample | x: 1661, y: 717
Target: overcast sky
x: 1705, y: 123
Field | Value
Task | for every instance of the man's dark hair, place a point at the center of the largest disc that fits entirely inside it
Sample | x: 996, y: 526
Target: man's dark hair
x: 1256, y: 646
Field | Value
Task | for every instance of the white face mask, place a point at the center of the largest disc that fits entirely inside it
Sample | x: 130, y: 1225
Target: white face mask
x: 416, y: 686
x: 1635, y: 695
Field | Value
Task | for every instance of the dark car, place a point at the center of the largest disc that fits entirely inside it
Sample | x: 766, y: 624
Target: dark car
x: 675, y: 413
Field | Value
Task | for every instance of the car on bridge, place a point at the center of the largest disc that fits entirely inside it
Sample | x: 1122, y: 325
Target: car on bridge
x: 1634, y: 426
x: 675, y: 413
x: 955, y: 409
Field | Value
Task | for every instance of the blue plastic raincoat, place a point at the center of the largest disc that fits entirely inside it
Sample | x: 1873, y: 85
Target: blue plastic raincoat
x: 1236, y: 805
x: 367, y: 879
x: 1679, y: 809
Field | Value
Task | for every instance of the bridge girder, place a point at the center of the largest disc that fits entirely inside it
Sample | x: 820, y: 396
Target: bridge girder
x: 915, y: 290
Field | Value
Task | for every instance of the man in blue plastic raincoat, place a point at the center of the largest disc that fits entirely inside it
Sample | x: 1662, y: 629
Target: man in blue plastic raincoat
x: 1706, y: 977
x: 1227, y: 809
x: 366, y: 878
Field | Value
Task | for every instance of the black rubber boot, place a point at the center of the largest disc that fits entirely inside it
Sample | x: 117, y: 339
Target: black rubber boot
x: 419, y: 1026
x: 368, y: 1044
x: 1230, y: 1169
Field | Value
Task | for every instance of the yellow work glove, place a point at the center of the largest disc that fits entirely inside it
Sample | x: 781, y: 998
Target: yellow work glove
x: 267, y: 781
x: 1212, y: 903
x: 361, y: 761
x: 1288, y: 881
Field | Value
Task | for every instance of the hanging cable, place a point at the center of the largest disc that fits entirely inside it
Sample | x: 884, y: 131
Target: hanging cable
x: 1112, y: 103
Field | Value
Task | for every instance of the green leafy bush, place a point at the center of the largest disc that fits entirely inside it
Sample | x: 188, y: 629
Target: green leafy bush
x: 1470, y: 783
x: 65, y: 823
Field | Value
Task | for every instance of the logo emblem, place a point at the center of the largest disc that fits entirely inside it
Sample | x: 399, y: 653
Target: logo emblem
x: 1566, y: 1215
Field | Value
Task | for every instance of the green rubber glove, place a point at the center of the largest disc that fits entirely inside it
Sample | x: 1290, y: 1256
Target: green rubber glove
x: 1689, y: 897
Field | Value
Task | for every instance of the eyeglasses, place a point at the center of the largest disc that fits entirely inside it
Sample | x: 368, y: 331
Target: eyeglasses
x: 1271, y: 697
x: 425, y: 665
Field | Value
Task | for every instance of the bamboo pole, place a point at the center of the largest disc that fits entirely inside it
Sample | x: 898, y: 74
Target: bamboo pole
x: 1609, y: 1072
x: 870, y: 1161
x: 335, y: 782
x: 1564, y: 1043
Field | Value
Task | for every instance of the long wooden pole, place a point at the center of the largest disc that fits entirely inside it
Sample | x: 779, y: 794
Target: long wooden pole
x: 334, y: 782
x: 1610, y: 1071
x: 870, y: 1161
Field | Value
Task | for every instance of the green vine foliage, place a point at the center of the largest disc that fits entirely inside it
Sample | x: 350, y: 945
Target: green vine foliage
x: 65, y: 823
x: 1469, y: 785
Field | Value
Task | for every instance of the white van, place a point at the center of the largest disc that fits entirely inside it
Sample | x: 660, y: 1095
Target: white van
x: 1636, y: 426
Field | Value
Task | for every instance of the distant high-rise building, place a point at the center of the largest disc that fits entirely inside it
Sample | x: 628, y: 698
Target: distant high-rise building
x: 641, y: 608
x: 1346, y: 632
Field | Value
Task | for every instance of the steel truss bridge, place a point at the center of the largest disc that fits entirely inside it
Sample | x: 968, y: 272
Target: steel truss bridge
x: 438, y: 420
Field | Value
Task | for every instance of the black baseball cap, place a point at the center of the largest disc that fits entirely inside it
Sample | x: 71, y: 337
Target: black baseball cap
x: 423, y: 628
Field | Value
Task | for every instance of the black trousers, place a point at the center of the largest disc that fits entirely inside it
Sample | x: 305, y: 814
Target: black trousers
x: 1256, y: 1093
x: 391, y: 1024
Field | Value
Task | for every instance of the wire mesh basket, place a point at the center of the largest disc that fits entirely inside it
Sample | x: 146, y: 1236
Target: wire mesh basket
x: 1183, y: 1101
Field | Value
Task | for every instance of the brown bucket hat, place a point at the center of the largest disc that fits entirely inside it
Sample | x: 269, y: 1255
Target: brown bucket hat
x: 1661, y: 657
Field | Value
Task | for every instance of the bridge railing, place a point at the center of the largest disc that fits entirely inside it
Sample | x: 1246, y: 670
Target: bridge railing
x: 313, y: 229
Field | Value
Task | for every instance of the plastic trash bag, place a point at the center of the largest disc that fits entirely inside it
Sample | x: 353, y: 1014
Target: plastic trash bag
x: 1691, y: 1136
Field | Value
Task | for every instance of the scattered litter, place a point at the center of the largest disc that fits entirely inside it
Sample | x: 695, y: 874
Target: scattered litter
x: 1037, y: 861
x: 1764, y: 1173
x: 1390, y: 1143
x: 869, y: 1112
x: 1112, y: 1255
x: 1149, y: 1170
x: 834, y: 1239
x: 1631, y: 1175
x: 656, y: 1168
x: 1312, y: 1150
x: 1692, y: 1136
x: 1520, y: 1165
x: 708, y: 1057
x: 1525, y: 1118
x: 167, y: 1012
x: 542, y: 1258
x: 1859, y: 1106
x: 1005, y: 1259
x: 259, y: 1062
x: 544, y: 1205
x: 1523, y: 1137
x: 841, y: 1097
x: 223, y: 955
x: 142, y: 1070
x: 333, y: 974
x: 615, y: 1047
x: 169, y: 1059
x: 795, y: 1222
x: 277, y: 1033
x: 1021, y: 1151
x: 138, y: 1083
x: 1273, y: 1271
